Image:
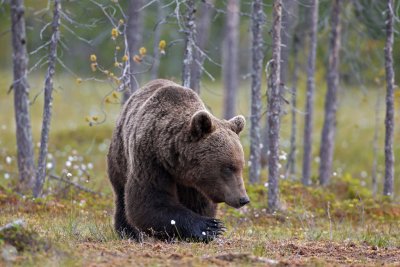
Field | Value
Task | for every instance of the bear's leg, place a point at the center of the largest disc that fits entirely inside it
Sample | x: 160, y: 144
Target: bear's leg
x: 121, y: 225
x: 156, y: 210
x: 196, y: 201
x: 116, y: 173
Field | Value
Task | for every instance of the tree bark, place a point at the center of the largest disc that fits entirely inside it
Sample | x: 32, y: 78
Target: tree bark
x: 291, y: 163
x: 309, y: 110
x: 203, y: 31
x: 48, y: 101
x: 230, y: 58
x: 190, y: 34
x: 156, y: 41
x: 389, y: 120
x: 288, y: 10
x: 329, y: 128
x: 134, y: 35
x: 26, y: 166
x: 274, y: 109
x: 258, y: 20
x: 374, y: 174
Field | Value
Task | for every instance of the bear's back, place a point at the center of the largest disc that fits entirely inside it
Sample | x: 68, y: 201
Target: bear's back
x: 161, y: 109
x: 160, y: 98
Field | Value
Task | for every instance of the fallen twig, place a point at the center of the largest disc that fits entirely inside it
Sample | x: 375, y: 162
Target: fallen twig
x: 78, y: 186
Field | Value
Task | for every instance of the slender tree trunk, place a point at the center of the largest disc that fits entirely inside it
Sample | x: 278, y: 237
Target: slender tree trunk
x: 26, y: 165
x: 134, y: 35
x: 258, y: 19
x: 203, y: 31
x: 329, y: 128
x: 375, y: 147
x: 291, y: 163
x: 309, y: 110
x: 389, y: 121
x: 230, y: 58
x: 288, y: 10
x: 190, y: 35
x: 48, y: 101
x: 156, y: 41
x: 264, y: 144
x: 274, y: 109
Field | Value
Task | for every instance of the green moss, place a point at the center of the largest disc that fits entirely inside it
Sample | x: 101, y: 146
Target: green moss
x: 23, y: 239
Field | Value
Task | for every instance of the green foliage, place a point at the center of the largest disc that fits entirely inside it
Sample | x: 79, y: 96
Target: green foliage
x: 23, y: 239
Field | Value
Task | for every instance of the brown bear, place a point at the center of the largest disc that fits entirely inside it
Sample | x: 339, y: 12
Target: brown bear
x: 170, y: 161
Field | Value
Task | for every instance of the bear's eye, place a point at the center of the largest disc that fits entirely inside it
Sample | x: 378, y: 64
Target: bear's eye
x: 229, y: 169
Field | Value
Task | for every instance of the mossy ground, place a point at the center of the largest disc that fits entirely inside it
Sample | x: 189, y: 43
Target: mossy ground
x: 340, y: 224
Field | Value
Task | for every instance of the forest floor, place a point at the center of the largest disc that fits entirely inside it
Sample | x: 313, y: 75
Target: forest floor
x: 342, y: 224
x: 78, y: 232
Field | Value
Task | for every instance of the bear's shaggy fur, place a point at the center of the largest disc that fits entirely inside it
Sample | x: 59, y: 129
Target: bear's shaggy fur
x: 170, y: 161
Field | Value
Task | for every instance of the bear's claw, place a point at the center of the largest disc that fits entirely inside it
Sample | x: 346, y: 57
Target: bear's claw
x: 209, y: 230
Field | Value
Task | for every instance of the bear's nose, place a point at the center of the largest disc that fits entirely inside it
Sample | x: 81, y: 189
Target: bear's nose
x: 243, y: 201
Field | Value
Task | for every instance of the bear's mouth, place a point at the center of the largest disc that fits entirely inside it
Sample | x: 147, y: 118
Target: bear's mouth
x: 238, y: 203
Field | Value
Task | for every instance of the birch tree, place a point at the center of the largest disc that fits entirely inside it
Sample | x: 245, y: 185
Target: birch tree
x: 309, y: 109
x: 25, y: 154
x: 329, y: 127
x: 156, y: 41
x: 274, y: 109
x: 375, y: 145
x: 288, y: 10
x: 202, y: 36
x: 389, y: 120
x: 257, y: 22
x: 48, y: 101
x: 190, y: 33
x: 134, y: 35
x: 291, y: 162
x: 230, y: 58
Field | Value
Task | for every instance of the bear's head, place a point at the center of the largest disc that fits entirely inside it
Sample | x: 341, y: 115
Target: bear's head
x: 217, y: 158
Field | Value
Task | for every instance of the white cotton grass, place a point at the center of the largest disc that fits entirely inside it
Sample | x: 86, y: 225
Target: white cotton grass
x: 203, y: 233
x: 172, y: 222
x: 8, y: 160
x: 49, y: 165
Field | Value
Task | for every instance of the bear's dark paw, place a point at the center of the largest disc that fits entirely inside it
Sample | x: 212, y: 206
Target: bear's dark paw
x: 207, y: 230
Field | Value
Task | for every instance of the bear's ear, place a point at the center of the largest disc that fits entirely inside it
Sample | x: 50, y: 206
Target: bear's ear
x: 237, y: 123
x: 201, y: 124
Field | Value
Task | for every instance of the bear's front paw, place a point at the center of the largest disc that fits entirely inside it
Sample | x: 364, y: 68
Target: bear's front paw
x: 207, y: 229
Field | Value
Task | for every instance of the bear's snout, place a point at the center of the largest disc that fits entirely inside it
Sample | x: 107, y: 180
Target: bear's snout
x: 243, y: 201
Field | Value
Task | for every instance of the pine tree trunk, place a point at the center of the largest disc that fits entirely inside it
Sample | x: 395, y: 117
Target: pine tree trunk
x: 48, y: 101
x: 203, y: 31
x: 309, y: 110
x: 329, y: 128
x: 26, y: 166
x: 264, y: 144
x: 274, y: 109
x: 190, y: 33
x: 374, y: 173
x: 258, y: 19
x: 156, y: 41
x: 230, y: 58
x: 288, y: 10
x: 389, y: 121
x: 134, y: 35
x: 291, y: 163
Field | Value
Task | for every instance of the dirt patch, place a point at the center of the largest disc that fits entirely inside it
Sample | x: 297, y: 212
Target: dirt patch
x: 334, y: 253
x: 299, y: 253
